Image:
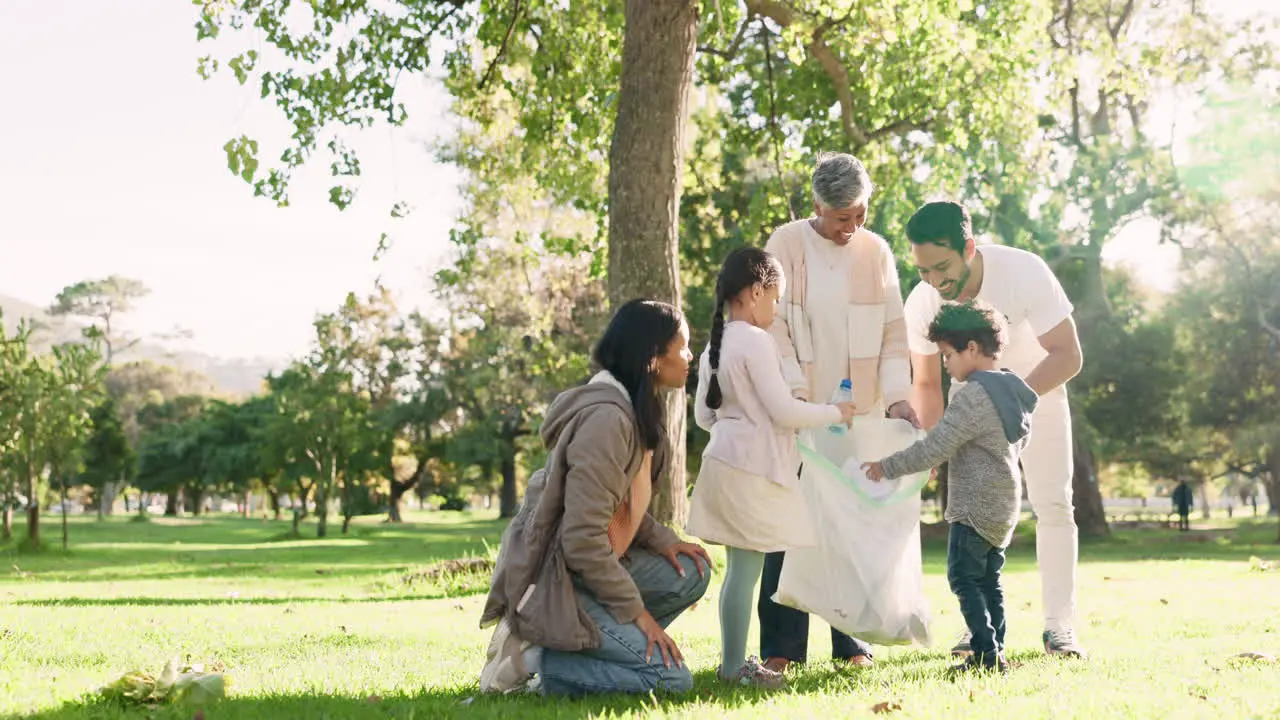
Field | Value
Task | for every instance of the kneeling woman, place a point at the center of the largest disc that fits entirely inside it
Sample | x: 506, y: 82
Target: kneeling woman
x: 586, y: 581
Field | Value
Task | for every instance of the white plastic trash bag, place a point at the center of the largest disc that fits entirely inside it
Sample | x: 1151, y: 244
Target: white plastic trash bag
x: 864, y: 577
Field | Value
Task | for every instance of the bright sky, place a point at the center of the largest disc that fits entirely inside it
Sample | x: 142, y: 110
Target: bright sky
x: 114, y: 164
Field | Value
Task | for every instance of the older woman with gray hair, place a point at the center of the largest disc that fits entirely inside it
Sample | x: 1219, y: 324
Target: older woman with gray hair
x: 841, y: 317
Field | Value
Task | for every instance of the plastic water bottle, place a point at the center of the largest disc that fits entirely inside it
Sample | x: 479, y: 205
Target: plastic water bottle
x: 844, y: 393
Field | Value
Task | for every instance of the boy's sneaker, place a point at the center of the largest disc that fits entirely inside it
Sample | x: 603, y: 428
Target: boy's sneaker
x: 504, y: 670
x: 991, y: 662
x: 753, y: 674
x: 962, y: 647
x: 1063, y: 643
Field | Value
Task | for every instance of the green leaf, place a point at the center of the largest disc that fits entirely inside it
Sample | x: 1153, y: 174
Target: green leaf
x: 341, y: 196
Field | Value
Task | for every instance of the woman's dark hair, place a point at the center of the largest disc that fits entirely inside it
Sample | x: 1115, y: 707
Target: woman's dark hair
x: 745, y: 267
x: 958, y: 324
x: 639, y: 333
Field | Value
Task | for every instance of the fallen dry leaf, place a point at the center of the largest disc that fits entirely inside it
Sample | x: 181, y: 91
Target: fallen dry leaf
x: 1256, y: 656
x: 881, y: 708
x: 1163, y: 601
x: 198, y: 715
x: 373, y: 699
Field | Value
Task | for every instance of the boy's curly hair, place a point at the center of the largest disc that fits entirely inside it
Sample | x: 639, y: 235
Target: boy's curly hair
x: 960, y: 323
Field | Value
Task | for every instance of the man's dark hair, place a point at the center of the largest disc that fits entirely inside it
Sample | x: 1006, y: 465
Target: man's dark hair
x: 959, y: 324
x: 941, y: 223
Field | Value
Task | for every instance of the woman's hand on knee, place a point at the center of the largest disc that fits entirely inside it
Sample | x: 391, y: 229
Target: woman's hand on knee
x: 693, y: 551
x: 655, y: 635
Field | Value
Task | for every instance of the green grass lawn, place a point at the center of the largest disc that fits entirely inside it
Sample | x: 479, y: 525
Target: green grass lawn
x: 351, y: 627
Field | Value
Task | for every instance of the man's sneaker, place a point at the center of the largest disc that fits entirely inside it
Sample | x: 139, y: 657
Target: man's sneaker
x: 754, y: 674
x: 504, y: 668
x: 1063, y: 642
x: 858, y: 661
x: 777, y: 664
x: 962, y: 647
x: 991, y: 662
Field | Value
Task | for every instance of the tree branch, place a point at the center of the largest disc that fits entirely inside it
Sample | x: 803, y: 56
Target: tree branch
x: 1075, y: 114
x: 502, y: 49
x: 826, y: 57
x: 1075, y: 85
x: 734, y: 45
x: 900, y: 127
x: 774, y: 132
x: 1114, y: 30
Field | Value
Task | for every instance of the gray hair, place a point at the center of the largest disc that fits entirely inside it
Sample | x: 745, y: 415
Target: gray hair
x: 840, y: 181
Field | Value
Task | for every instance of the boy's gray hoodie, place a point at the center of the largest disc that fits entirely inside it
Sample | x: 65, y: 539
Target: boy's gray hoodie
x: 982, y: 433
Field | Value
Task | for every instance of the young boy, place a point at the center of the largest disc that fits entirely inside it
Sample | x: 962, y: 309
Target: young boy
x: 982, y: 433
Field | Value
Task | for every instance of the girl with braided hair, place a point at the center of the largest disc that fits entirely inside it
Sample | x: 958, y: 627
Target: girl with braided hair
x: 747, y: 496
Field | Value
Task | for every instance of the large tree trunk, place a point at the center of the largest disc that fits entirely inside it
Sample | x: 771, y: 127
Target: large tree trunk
x: 6, y: 533
x: 347, y: 510
x: 510, y: 501
x: 274, y: 497
x: 1091, y: 518
x: 323, y: 486
x: 304, y: 492
x: 171, y: 503
x: 322, y: 512
x: 33, y: 508
x: 106, y: 503
x: 1273, y: 487
x: 33, y: 524
x: 1092, y: 309
x: 646, y: 161
x: 398, y: 490
x: 62, y: 482
x: 671, y: 498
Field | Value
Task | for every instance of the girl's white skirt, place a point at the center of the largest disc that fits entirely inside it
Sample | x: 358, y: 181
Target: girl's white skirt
x: 735, y: 508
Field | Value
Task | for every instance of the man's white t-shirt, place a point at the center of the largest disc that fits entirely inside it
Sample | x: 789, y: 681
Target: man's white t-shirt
x: 1019, y: 285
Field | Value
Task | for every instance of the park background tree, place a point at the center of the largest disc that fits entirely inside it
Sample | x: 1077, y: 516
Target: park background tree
x: 101, y: 303
x: 546, y: 61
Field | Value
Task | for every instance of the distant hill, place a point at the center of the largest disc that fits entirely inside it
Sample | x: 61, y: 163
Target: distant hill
x: 231, y: 376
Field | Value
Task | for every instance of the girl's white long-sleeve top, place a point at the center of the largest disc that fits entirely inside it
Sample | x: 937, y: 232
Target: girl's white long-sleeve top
x: 754, y: 429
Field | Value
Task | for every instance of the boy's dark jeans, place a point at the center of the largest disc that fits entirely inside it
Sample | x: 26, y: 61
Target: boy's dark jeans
x: 973, y: 569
